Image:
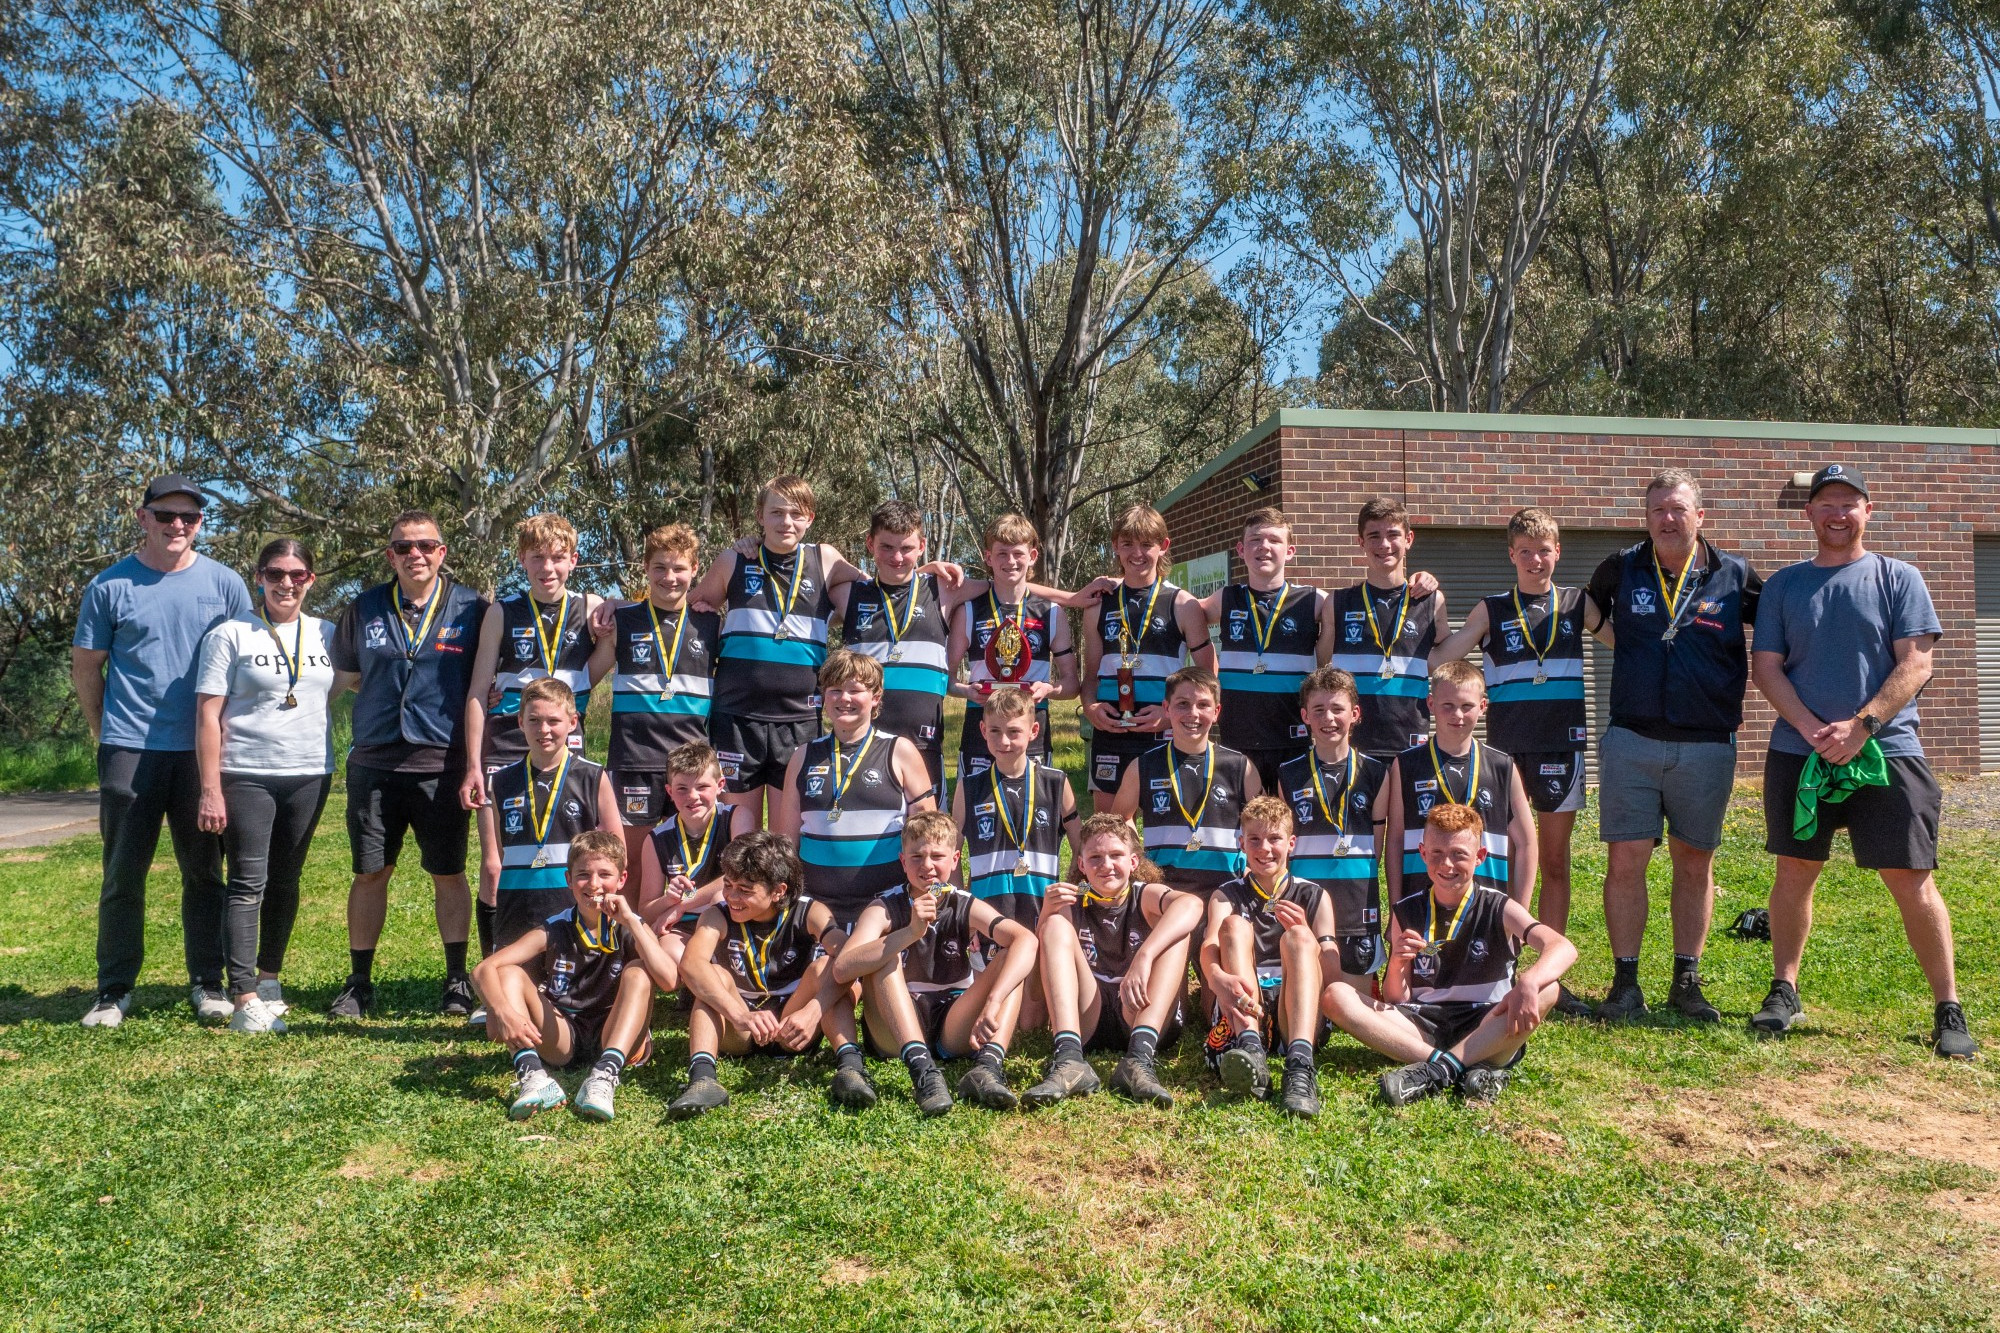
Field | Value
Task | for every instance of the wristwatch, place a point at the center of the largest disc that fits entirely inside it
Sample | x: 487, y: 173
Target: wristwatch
x: 1869, y: 722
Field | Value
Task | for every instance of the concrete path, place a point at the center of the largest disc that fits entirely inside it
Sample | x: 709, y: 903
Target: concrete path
x: 30, y: 819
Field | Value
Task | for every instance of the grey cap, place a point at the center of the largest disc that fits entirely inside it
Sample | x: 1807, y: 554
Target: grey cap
x: 174, y: 484
x: 1836, y: 473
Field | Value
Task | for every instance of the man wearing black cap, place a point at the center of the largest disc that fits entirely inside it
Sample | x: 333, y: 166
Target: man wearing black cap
x: 133, y: 664
x: 1843, y: 648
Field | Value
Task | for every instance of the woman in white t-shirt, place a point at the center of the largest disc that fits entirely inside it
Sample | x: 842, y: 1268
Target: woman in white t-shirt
x: 264, y: 744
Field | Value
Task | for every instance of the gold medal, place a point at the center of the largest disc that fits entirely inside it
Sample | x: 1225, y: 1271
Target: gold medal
x: 1193, y: 817
x: 666, y: 691
x: 291, y: 701
x: 1343, y: 845
x: 783, y: 609
x: 896, y: 653
x: 540, y: 824
x: 1261, y: 629
x: 833, y: 815
x: 842, y: 780
x: 1021, y: 866
x: 1541, y: 678
x: 1257, y: 668
x: 669, y: 654
x: 541, y: 861
x: 1388, y: 671
x: 1194, y: 843
x: 1387, y: 646
x: 782, y: 632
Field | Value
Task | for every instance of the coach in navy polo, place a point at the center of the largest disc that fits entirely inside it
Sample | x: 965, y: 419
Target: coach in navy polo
x: 412, y: 639
x: 1676, y: 608
x: 138, y: 634
x: 1843, y: 649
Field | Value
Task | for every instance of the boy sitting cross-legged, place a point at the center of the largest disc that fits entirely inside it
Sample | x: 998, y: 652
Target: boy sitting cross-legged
x: 577, y: 989
x: 1114, y: 958
x: 1453, y: 1007
x: 912, y: 952
x: 754, y: 965
x: 1260, y: 956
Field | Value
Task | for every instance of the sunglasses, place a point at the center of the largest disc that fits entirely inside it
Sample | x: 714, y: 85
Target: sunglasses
x: 298, y: 576
x: 187, y: 518
x: 427, y: 545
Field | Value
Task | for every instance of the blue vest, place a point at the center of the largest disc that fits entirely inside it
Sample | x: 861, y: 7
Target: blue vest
x: 1689, y: 687
x: 417, y: 699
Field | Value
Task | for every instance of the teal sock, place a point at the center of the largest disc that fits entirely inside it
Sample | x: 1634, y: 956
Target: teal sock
x: 701, y: 1067
x: 1452, y: 1064
x: 916, y: 1057
x: 991, y: 1055
x: 848, y: 1056
x: 1299, y: 1052
x: 1069, y: 1043
x: 610, y: 1061
x: 527, y: 1062
x: 1145, y: 1042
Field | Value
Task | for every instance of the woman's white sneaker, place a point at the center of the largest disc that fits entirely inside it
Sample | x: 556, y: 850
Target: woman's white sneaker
x: 256, y: 1016
x: 273, y: 996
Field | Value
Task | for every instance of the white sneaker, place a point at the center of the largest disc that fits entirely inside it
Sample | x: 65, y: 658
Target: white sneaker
x: 594, y: 1098
x: 107, y: 1011
x: 477, y: 1018
x: 210, y: 1006
x: 273, y: 996
x: 256, y: 1016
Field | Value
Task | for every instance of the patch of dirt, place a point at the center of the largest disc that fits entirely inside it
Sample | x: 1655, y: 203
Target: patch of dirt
x: 1119, y: 1187
x: 23, y: 858
x: 1972, y: 803
x: 848, y: 1273
x: 380, y: 1161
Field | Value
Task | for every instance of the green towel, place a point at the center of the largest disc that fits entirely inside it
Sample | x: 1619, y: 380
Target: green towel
x: 1834, y: 783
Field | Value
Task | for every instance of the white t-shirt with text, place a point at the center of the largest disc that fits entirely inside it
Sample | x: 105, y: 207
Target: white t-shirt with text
x: 241, y: 662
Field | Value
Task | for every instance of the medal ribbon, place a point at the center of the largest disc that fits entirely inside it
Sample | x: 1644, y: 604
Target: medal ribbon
x: 784, y: 608
x: 1261, y: 632
x: 841, y: 782
x: 896, y: 631
x: 606, y: 940
x: 690, y: 863
x: 1471, y: 775
x: 1457, y: 919
x: 1020, y: 840
x: 1126, y: 642
x: 759, y: 959
x: 1676, y: 598
x: 1277, y: 889
x: 1020, y: 611
x: 669, y: 656
x: 1339, y: 821
x: 552, y: 644
x: 1542, y: 651
x: 296, y: 660
x: 1375, y: 630
x: 1207, y: 784
x: 411, y: 646
x: 539, y: 824
x: 1091, y: 895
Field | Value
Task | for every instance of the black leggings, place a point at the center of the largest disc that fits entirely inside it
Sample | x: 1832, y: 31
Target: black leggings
x: 271, y: 823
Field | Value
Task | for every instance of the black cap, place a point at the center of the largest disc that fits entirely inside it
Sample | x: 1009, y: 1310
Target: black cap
x: 1836, y: 472
x: 173, y: 484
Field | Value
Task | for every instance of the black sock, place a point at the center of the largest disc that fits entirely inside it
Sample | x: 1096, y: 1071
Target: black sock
x: 454, y: 959
x: 361, y: 963
x: 488, y: 917
x: 849, y: 1057
x: 1625, y: 971
x: 1250, y: 1039
x: 916, y: 1058
x: 1068, y: 1044
x: 1452, y: 1064
x: 1144, y: 1044
x: 610, y: 1061
x: 701, y: 1068
x: 991, y: 1055
x: 1685, y: 965
x: 1299, y: 1052
x: 526, y: 1061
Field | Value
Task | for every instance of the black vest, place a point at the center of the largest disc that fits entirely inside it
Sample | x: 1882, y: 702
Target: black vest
x: 1689, y: 687
x: 415, y: 699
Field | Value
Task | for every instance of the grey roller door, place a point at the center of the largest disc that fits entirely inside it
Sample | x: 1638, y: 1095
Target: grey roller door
x: 1986, y: 592
x: 1471, y: 563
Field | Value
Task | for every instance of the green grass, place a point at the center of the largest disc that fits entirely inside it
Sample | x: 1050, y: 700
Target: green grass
x: 1652, y: 1177
x: 55, y: 765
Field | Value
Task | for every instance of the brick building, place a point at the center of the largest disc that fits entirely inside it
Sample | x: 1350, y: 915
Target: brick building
x: 1936, y: 491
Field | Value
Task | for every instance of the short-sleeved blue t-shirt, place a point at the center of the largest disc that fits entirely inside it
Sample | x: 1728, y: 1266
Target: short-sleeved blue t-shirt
x: 1837, y: 628
x: 152, y: 625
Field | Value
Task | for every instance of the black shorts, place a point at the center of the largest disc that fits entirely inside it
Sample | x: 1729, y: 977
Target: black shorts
x: 1218, y: 1037
x: 1553, y: 780
x: 1111, y: 752
x: 642, y: 796
x: 383, y: 805
x: 932, y: 1006
x: 1111, y: 1034
x: 1361, y: 954
x: 754, y: 753
x: 1892, y: 828
x: 518, y: 911
x: 1446, y: 1025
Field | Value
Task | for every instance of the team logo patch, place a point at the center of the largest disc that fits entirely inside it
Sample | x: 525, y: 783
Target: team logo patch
x: 642, y: 652
x: 986, y: 830
x: 377, y: 633
x: 1304, y: 811
x: 927, y: 732
x: 1424, y: 804
x: 572, y: 809
x: 978, y: 763
x: 1642, y: 601
x: 637, y: 805
x: 1353, y: 633
x: 1424, y: 784
x: 1477, y: 949
x: 524, y: 649
x: 815, y: 785
x: 449, y: 632
x: 1555, y: 770
x: 1579, y: 733
x: 515, y: 821
x: 1515, y: 643
x: 1042, y: 818
x: 1107, y: 769
x: 1160, y: 800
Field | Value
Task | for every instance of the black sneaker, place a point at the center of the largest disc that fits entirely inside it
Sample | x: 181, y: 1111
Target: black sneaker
x: 1949, y: 1034
x: 1136, y: 1079
x: 1686, y: 997
x: 932, y: 1093
x: 851, y: 1088
x: 1413, y: 1083
x: 458, y: 999
x: 1781, y: 1009
x: 1066, y: 1076
x: 983, y: 1087
x: 1299, y: 1093
x: 1622, y: 1004
x: 1245, y: 1072
x: 1483, y: 1083
x: 702, y: 1096
x: 1569, y: 1004
x: 356, y: 1000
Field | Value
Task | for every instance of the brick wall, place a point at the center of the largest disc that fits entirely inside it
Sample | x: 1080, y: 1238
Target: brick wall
x: 1931, y: 500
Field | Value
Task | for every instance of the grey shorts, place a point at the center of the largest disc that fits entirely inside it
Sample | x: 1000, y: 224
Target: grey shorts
x: 1645, y: 787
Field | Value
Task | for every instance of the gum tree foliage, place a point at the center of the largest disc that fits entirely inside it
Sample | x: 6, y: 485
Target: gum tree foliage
x: 1062, y: 348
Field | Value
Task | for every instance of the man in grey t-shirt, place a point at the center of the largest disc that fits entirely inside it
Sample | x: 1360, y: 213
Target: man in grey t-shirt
x: 133, y: 663
x: 1843, y: 648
